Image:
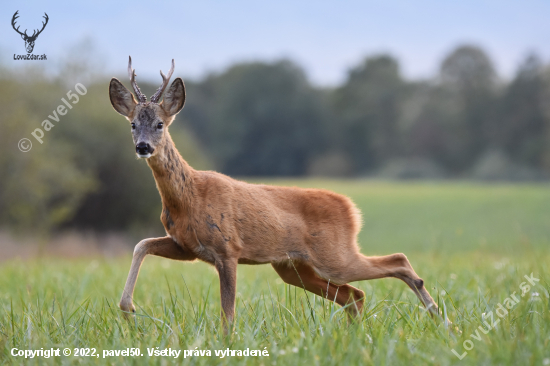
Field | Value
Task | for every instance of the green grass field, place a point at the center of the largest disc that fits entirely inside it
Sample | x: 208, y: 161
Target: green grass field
x: 472, y: 244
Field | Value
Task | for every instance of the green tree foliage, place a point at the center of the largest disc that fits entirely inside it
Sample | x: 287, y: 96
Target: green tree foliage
x: 523, y: 127
x: 468, y: 78
x: 259, y: 119
x: 43, y: 188
x: 367, y: 109
x: 84, y: 174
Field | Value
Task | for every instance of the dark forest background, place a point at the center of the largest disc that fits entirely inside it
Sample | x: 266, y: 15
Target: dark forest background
x: 266, y: 119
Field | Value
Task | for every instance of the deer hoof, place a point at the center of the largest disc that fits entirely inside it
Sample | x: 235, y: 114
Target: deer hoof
x: 127, y: 307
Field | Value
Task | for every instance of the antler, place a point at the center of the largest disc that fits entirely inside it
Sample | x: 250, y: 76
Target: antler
x: 43, y: 26
x: 132, y: 74
x: 165, y: 79
x: 15, y: 16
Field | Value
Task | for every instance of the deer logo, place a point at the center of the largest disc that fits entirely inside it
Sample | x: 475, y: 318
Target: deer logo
x: 29, y: 40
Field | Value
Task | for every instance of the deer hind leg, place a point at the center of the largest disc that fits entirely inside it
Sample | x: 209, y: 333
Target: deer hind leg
x: 162, y: 247
x: 394, y: 265
x: 302, y: 275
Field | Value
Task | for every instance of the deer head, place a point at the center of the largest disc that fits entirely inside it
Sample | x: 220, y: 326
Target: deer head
x: 29, y: 40
x: 149, y: 120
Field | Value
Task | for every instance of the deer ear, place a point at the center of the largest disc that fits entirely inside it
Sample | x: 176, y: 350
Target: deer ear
x: 121, y: 98
x: 174, y: 99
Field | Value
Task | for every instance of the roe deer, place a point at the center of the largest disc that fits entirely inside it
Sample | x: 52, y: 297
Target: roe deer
x: 307, y: 235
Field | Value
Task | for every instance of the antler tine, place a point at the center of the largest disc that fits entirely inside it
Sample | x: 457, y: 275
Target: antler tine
x: 132, y: 74
x: 165, y: 79
x: 15, y: 16
x: 44, y: 24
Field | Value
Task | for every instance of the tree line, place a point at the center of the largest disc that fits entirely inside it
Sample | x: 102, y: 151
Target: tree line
x: 267, y: 119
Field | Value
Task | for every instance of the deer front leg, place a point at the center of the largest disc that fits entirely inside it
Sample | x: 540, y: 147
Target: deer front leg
x: 227, y: 271
x: 163, y: 247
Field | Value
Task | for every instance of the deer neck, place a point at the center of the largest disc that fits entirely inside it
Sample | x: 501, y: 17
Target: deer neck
x: 173, y: 176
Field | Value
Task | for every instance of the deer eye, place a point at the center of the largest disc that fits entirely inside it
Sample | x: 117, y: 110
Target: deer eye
x: 160, y: 125
x: 133, y: 126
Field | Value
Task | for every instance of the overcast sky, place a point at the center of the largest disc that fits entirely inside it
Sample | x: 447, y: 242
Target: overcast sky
x: 324, y: 37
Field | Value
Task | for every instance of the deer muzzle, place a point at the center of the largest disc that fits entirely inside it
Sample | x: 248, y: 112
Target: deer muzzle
x: 144, y: 150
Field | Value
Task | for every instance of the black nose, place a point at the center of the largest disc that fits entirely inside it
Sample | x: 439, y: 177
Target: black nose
x: 143, y: 148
